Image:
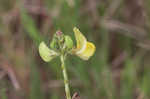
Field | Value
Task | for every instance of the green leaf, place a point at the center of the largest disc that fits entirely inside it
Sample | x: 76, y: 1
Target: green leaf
x: 46, y: 53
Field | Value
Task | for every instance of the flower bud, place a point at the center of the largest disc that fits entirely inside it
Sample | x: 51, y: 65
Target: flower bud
x: 68, y: 42
x: 54, y: 44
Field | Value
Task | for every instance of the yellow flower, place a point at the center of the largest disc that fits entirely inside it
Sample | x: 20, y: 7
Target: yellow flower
x: 84, y: 49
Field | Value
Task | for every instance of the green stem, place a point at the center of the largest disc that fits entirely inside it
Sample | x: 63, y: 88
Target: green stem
x: 66, y: 81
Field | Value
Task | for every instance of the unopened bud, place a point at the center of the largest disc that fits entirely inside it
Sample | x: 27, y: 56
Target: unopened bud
x: 59, y: 33
x: 68, y: 42
x: 54, y: 44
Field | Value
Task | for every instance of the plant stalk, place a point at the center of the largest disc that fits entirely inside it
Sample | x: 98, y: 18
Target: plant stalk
x: 66, y: 81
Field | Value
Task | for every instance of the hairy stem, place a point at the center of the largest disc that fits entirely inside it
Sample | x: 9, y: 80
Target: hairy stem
x: 66, y: 81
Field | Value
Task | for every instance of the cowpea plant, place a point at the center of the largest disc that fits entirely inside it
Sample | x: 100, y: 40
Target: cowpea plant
x: 62, y: 45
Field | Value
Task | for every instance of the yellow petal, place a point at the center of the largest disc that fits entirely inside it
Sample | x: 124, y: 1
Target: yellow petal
x: 87, y: 52
x: 84, y: 49
x: 81, y: 40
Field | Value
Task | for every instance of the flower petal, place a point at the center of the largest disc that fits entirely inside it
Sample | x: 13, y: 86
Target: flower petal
x: 46, y: 53
x: 86, y: 53
x: 81, y: 40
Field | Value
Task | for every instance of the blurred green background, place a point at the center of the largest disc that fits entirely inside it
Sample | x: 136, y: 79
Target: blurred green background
x: 119, y: 69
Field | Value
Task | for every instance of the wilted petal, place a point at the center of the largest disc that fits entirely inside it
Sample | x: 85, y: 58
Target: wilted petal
x: 46, y: 53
